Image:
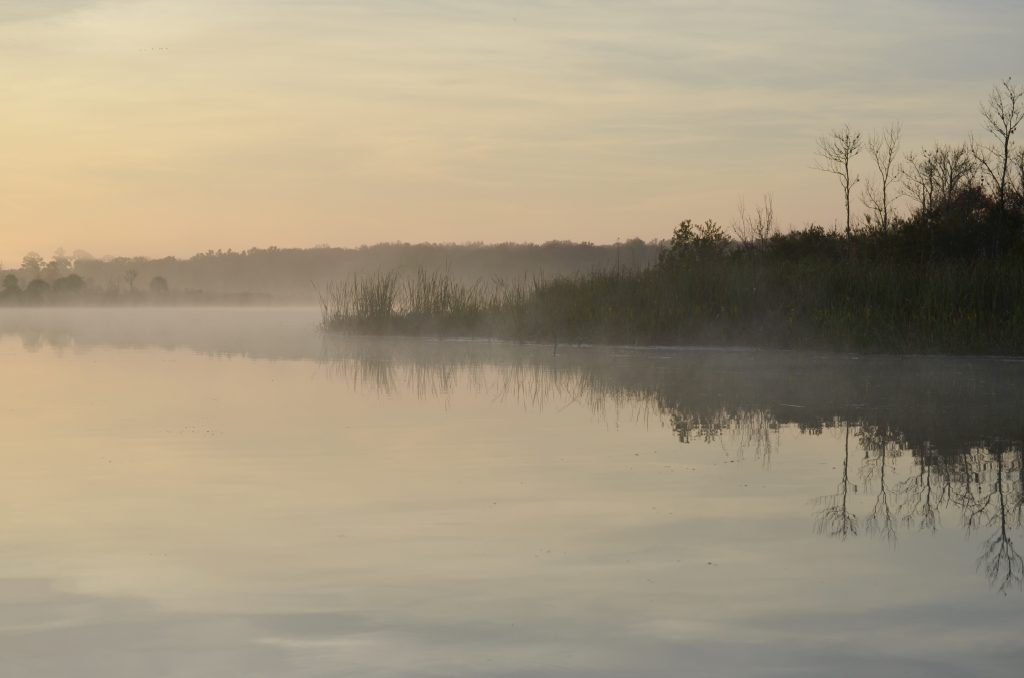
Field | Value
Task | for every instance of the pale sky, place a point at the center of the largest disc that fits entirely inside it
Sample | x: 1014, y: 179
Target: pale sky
x: 160, y: 127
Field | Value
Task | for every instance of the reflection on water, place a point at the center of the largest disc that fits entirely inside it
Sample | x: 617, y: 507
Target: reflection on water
x: 959, y: 421
x: 403, y: 507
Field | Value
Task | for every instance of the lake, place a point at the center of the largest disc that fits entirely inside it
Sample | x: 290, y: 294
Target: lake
x: 212, y: 492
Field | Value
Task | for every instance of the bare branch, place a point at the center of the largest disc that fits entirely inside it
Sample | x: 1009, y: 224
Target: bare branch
x: 758, y: 227
x: 835, y: 152
x: 938, y: 175
x: 884, y: 148
x: 1003, y: 113
x: 1018, y: 163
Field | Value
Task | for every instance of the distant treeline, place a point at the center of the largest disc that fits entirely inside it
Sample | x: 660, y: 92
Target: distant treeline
x: 72, y: 289
x: 936, y: 264
x: 292, y: 275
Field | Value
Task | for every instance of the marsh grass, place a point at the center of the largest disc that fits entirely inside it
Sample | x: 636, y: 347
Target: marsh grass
x: 425, y: 302
x: 951, y: 306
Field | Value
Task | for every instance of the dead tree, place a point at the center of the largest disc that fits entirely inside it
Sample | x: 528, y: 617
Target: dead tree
x: 938, y: 175
x: 884, y: 148
x: 919, y: 178
x: 1003, y: 113
x: 956, y: 170
x: 835, y: 152
x: 757, y: 227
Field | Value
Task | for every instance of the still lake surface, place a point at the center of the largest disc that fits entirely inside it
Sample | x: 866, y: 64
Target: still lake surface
x: 229, y: 493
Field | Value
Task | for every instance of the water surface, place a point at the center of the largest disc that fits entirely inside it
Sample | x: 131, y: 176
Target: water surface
x: 230, y: 493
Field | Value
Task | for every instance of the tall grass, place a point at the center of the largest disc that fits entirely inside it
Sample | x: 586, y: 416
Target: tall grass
x: 431, y: 302
x: 951, y: 306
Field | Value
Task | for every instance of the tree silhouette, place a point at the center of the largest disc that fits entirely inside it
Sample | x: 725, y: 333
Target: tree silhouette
x: 1003, y: 113
x: 884, y: 148
x: 158, y: 285
x: 836, y: 151
x: 10, y: 285
x: 755, y: 227
x: 32, y: 265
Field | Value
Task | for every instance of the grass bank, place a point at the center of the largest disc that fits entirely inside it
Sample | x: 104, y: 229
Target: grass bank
x: 948, y: 306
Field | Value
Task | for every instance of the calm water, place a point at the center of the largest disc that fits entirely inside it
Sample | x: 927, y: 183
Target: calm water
x: 228, y: 493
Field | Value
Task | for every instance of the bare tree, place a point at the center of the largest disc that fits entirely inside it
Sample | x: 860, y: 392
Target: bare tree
x: 757, y: 227
x: 1018, y: 163
x: 129, y: 277
x: 918, y: 177
x: 884, y: 148
x: 1003, y: 112
x: 938, y: 175
x: 956, y: 170
x: 835, y: 152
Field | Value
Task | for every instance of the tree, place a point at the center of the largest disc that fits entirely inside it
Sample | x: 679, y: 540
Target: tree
x: 938, y: 175
x: 58, y: 266
x: 955, y: 170
x: 37, y: 289
x: 695, y: 240
x: 1018, y: 163
x: 32, y: 265
x: 918, y: 177
x: 758, y: 227
x: 10, y: 285
x: 129, y: 276
x: 158, y: 285
x: 1003, y: 113
x: 835, y: 152
x: 884, y: 148
x: 71, y: 284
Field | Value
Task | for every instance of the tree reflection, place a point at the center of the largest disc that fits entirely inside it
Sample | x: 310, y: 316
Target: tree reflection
x: 836, y: 520
x: 920, y: 437
x: 982, y: 484
x: 923, y: 494
x: 931, y: 435
x: 991, y: 505
x: 877, y: 468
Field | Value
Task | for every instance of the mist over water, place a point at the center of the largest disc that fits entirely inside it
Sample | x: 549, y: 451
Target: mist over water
x: 233, y: 493
x: 457, y: 339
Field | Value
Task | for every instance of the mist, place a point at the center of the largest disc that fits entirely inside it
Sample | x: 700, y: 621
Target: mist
x: 297, y: 276
x: 482, y: 339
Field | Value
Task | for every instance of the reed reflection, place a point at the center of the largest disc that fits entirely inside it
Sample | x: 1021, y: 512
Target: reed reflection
x: 920, y: 438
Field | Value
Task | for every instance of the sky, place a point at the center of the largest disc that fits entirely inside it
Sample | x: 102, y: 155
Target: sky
x: 167, y: 127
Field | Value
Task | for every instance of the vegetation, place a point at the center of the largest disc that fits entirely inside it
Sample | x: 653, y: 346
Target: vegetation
x: 72, y: 289
x: 946, y: 276
x: 970, y: 306
x: 291, y: 275
x: 925, y: 441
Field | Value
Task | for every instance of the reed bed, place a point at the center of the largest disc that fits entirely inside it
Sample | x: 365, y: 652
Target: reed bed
x: 952, y: 306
